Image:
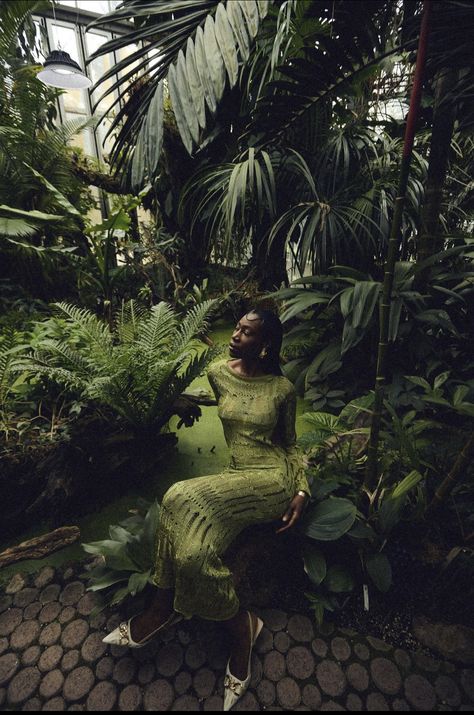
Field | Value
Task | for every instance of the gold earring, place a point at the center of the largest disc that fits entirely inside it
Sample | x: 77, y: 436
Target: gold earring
x: 263, y: 354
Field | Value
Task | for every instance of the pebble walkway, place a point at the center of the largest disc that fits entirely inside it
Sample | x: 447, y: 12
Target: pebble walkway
x: 52, y: 658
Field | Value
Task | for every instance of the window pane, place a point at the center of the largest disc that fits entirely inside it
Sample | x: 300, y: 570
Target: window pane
x: 101, y: 7
x: 84, y: 139
x: 64, y: 38
x: 71, y: 3
x: 99, y: 67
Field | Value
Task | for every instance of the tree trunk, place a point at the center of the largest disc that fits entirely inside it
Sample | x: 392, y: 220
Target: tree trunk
x: 444, y: 114
x: 371, y: 476
x: 41, y: 546
x: 446, y: 487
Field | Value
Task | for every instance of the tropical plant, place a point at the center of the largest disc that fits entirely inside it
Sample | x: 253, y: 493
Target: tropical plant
x: 138, y: 371
x: 128, y: 556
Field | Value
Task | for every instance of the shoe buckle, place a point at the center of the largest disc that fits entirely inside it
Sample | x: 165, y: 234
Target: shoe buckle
x: 233, y: 685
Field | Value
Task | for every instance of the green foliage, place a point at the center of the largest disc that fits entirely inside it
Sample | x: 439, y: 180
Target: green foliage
x: 138, y: 371
x: 128, y: 556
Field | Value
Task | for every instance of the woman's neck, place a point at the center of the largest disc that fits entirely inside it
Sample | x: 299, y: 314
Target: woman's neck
x: 247, y: 368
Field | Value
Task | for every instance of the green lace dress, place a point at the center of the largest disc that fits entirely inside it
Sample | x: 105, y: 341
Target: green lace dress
x: 201, y: 517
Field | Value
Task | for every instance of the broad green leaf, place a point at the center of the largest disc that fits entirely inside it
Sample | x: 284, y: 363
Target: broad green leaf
x: 137, y: 582
x: 195, y: 86
x: 380, y: 571
x: 203, y: 71
x: 339, y: 580
x: 365, y: 298
x: 138, y: 163
x: 181, y: 121
x: 250, y: 11
x: 239, y: 26
x: 314, y: 564
x: 185, y: 98
x: 420, y: 381
x: 154, y: 131
x: 226, y: 41
x: 330, y: 520
x: 59, y: 197
x: 214, y: 58
x: 362, y: 531
x: 406, y: 485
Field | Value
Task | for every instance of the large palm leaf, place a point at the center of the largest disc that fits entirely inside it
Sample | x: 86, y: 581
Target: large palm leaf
x: 196, y: 46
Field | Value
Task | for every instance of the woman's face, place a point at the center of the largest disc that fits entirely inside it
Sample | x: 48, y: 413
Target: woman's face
x: 247, y: 341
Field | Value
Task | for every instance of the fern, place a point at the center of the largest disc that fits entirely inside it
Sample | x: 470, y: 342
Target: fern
x: 194, y: 322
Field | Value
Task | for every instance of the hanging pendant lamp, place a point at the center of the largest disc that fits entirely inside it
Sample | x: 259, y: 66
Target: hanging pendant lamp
x: 60, y: 70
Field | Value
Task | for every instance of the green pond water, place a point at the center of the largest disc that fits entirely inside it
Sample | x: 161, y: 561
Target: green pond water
x: 201, y: 450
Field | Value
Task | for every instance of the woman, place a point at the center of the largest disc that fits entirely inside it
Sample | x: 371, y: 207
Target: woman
x: 201, y: 517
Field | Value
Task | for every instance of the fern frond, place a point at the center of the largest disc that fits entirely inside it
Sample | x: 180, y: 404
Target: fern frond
x: 196, y: 322
x: 158, y: 332
x: 94, y: 332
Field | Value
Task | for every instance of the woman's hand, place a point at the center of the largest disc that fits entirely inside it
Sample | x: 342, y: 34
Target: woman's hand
x: 294, y: 512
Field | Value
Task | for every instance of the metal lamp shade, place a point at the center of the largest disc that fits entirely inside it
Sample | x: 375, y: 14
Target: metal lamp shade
x: 61, y: 71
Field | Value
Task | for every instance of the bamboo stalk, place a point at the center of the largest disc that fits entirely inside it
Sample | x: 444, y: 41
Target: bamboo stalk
x: 371, y: 475
x: 448, y: 484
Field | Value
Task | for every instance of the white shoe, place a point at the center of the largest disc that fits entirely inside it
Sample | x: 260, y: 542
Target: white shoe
x: 234, y: 688
x: 121, y: 635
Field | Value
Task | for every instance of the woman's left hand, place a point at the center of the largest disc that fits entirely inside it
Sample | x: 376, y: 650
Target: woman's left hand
x: 294, y: 512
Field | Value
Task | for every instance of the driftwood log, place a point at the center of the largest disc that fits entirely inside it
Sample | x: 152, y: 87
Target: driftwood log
x: 41, y: 546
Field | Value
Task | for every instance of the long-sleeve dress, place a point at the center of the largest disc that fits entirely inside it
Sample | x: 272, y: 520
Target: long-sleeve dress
x: 201, y: 517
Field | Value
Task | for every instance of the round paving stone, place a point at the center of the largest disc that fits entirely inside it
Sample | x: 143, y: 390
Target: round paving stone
x: 9, y: 620
x: 105, y: 668
x: 420, y: 693
x: 70, y: 660
x: 266, y: 692
x: 50, y: 634
x: 25, y: 598
x: 130, y: 699
x: 54, y: 705
x: 204, y: 682
x: 247, y: 703
x: 33, y: 705
x: 31, y: 656
x: 375, y: 702
x: 98, y: 621
x: 330, y: 705
x: 274, y: 619
x: 265, y: 641
x: 274, y: 666
x: 159, y: 695
x: 78, y: 683
x: 354, y: 703
x: 467, y: 682
x: 102, y: 698
x: 331, y: 679
x: 447, y: 691
x: 361, y: 651
x: 379, y: 645
x: 386, y: 676
x: 282, y: 642
x: 319, y: 647
x: 50, y: 658
x: 311, y: 697
x: 288, y: 693
x: 429, y: 664
x: 186, y: 703
x: 400, y: 705
x: 3, y: 696
x: 25, y: 635
x: 214, y: 704
x: 195, y: 657
x: 50, y: 612
x: 169, y: 660
x: 45, y: 576
x: 402, y: 659
x: 93, y: 648
x: 50, y: 593
x: 32, y: 611
x: 9, y: 665
x: 67, y: 615
x: 76, y: 708
x: 146, y: 673
x: 300, y: 662
x: 17, y: 583
x: 256, y: 670
x: 23, y: 686
x: 124, y: 671
x: 72, y: 593
x: 182, y: 682
x: 341, y: 649
x: 4, y: 645
x: 51, y: 684
x: 358, y: 677
x: 87, y: 604
x: 301, y: 629
x: 5, y: 603
x: 74, y: 634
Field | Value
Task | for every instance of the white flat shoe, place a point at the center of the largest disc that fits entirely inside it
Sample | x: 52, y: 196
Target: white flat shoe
x: 121, y: 635
x: 234, y: 688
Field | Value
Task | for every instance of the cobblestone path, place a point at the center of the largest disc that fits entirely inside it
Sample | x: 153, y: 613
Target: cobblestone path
x: 52, y: 658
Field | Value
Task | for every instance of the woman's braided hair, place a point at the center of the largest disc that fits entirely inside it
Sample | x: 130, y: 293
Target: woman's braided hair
x: 272, y: 334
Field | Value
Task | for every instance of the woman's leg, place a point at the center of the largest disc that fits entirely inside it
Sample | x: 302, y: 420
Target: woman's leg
x: 154, y: 616
x: 238, y: 629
